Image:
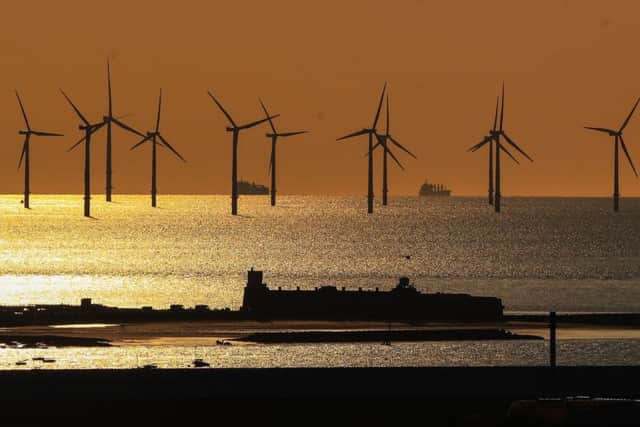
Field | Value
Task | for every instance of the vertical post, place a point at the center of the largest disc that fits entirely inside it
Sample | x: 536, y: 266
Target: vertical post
x: 616, y: 178
x: 552, y: 339
x: 87, y: 173
x: 498, y: 196
x: 273, y: 169
x: 370, y: 176
x: 154, y: 188
x: 234, y: 174
x: 491, y: 172
x: 27, y: 190
x: 108, y: 189
x: 385, y: 183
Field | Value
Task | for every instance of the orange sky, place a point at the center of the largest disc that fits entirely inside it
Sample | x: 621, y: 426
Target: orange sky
x: 321, y: 65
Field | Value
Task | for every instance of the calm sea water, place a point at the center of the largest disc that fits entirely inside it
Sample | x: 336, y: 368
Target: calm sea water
x: 540, y: 254
x: 474, y: 353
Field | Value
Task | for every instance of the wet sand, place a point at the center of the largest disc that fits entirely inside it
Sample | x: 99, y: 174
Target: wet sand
x: 206, y: 333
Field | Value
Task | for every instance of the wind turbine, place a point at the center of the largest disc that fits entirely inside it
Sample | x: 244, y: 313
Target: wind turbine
x: 153, y: 138
x: 274, y: 139
x: 25, y: 150
x: 489, y: 140
x: 371, y: 132
x: 618, y: 140
x: 108, y: 120
x: 495, y: 136
x: 235, y: 129
x: 89, y: 129
x: 383, y: 141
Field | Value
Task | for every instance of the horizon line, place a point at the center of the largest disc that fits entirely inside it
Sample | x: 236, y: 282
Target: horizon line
x: 532, y: 196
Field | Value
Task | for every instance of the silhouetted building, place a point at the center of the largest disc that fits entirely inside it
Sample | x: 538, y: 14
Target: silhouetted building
x: 404, y: 302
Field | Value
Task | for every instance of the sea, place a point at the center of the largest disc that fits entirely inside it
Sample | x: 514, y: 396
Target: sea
x: 537, y: 255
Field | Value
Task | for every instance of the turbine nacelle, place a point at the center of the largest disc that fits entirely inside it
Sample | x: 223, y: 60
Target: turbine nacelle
x: 230, y: 129
x: 24, y: 132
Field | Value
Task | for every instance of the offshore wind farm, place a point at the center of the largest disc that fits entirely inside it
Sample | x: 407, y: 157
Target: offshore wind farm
x: 440, y: 201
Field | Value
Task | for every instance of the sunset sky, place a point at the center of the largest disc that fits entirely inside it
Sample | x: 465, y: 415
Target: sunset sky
x: 321, y: 65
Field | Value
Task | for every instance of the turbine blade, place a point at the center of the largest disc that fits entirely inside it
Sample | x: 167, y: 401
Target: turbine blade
x: 266, y: 113
x: 285, y: 134
x: 400, y: 146
x: 96, y: 128
x: 86, y: 122
x: 159, y: 109
x: 626, y: 152
x: 503, y: 148
x: 373, y: 148
x: 375, y: 121
x: 24, y: 150
x: 502, y: 108
x: 607, y: 131
x: 165, y: 142
x: 92, y: 131
x: 109, y: 89
x: 388, y: 114
x: 127, y: 127
x: 626, y: 122
x: 495, y: 117
x: 513, y: 144
x: 393, y: 156
x: 480, y: 144
x: 24, y: 114
x: 145, y: 139
x: 223, y: 110
x: 270, y: 163
x: 46, y: 133
x: 351, y: 135
x: 77, y: 143
x: 257, y: 122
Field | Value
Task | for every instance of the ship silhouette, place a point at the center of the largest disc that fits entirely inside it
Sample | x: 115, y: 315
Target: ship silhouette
x: 429, y: 189
x: 251, y: 188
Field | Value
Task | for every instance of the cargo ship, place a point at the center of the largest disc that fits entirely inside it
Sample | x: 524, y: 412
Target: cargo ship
x: 429, y: 189
x: 404, y: 302
x: 251, y: 188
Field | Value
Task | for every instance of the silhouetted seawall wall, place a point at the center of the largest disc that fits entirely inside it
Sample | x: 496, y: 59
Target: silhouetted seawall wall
x: 328, y: 302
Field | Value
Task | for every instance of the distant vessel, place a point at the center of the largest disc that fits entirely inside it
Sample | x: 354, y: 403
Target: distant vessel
x: 251, y: 188
x: 404, y: 302
x: 429, y: 189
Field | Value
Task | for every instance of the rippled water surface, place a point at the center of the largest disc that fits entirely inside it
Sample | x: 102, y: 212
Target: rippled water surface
x: 473, y: 353
x: 538, y: 254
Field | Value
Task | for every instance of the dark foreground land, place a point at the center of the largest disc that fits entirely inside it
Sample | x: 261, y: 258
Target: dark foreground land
x: 324, y: 397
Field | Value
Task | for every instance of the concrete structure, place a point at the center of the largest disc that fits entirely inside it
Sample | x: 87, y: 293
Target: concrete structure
x: 404, y: 302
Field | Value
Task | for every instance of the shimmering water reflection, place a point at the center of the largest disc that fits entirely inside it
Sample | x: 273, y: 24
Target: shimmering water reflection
x: 539, y: 254
x: 473, y: 353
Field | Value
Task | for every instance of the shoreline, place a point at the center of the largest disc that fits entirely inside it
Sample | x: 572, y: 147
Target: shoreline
x: 384, y: 336
x: 204, y: 333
